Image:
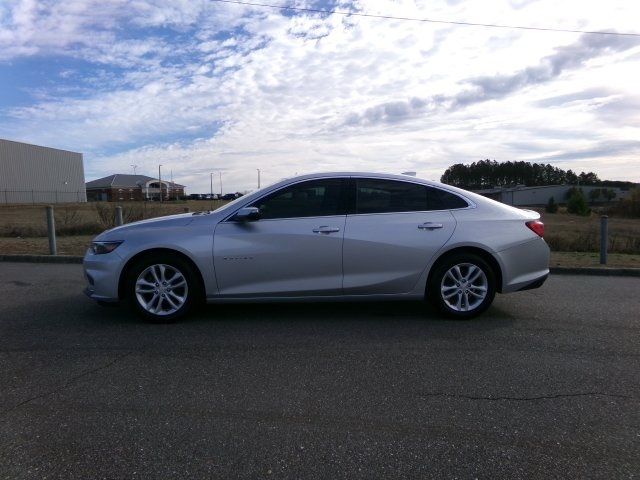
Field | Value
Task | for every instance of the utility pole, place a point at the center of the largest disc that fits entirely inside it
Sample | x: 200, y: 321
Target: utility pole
x: 134, y: 168
x: 171, y: 184
x: 258, y: 178
x: 220, y: 173
x: 160, y: 181
x: 211, y: 191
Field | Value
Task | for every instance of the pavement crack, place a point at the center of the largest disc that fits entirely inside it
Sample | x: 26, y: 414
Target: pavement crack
x: 527, y: 399
x: 66, y: 384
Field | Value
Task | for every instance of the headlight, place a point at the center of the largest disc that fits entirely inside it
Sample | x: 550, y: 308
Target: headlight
x: 100, y: 248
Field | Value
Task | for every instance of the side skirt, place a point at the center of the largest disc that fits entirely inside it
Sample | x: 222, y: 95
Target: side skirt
x: 328, y: 298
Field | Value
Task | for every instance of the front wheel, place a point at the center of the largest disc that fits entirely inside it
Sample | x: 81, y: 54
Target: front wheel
x: 462, y: 286
x: 162, y: 289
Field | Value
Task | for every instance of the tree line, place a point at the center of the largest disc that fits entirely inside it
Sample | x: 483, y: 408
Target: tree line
x: 489, y: 173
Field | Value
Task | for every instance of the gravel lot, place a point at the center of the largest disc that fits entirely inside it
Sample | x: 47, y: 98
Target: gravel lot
x: 545, y: 385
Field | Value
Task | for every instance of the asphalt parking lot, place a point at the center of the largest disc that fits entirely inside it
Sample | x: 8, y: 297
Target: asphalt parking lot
x: 545, y: 385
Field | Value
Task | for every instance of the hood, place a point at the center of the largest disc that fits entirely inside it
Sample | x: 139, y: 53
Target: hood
x: 179, y: 220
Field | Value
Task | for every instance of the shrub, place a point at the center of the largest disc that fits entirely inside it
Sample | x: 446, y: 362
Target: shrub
x: 594, y: 195
x: 628, y: 207
x: 552, y: 206
x: 131, y: 212
x: 577, y: 204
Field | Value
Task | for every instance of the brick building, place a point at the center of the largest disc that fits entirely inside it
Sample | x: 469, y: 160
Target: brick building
x: 122, y: 187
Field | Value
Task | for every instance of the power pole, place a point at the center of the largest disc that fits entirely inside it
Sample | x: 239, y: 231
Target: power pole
x: 160, y: 181
x: 258, y: 178
x: 211, y: 189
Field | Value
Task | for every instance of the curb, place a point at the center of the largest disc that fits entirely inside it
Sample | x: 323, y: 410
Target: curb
x: 602, y: 272
x: 41, y: 258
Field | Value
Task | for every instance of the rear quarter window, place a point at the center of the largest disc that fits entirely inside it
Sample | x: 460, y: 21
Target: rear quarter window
x: 443, y: 200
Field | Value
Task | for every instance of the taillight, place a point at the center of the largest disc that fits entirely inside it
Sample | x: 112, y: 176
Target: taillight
x: 537, y: 226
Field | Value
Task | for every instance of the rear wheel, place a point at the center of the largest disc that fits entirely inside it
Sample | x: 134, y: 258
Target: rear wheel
x: 462, y: 286
x: 162, y: 288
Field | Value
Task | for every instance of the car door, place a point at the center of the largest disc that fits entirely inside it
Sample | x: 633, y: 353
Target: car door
x: 396, y: 229
x: 293, y: 249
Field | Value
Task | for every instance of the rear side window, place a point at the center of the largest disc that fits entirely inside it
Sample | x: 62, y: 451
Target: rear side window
x: 385, y: 196
x: 315, y: 198
x: 443, y: 200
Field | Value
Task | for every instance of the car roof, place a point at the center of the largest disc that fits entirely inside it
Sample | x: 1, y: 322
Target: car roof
x: 386, y: 176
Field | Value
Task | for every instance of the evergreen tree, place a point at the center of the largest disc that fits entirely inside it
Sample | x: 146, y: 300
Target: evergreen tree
x: 577, y: 203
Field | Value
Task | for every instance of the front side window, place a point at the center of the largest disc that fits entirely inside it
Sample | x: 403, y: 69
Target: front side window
x: 315, y: 198
x: 386, y: 196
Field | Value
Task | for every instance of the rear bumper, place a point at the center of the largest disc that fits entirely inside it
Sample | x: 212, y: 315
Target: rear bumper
x: 535, y: 284
x: 524, y: 266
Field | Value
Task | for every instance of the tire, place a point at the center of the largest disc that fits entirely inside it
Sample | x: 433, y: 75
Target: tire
x: 449, y: 291
x: 162, y: 288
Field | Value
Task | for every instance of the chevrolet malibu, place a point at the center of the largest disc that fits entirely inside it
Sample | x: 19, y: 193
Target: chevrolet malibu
x: 334, y: 236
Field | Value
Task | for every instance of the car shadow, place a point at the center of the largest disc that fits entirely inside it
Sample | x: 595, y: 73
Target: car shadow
x: 77, y: 323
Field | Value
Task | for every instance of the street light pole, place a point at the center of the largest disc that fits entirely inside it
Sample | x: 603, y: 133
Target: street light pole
x: 258, y: 178
x: 211, y: 192
x: 160, y: 181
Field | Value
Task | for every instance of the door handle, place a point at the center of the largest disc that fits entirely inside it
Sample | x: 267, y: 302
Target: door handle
x: 430, y: 226
x: 325, y: 229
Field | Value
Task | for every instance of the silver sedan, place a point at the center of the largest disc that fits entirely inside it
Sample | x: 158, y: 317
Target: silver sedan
x: 334, y: 236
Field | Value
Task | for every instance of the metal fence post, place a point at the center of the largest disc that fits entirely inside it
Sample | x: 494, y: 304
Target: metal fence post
x: 51, y: 230
x: 119, y: 216
x: 604, y: 238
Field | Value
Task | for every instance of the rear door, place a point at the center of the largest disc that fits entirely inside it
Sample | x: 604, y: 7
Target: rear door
x: 396, y: 229
x: 294, y: 249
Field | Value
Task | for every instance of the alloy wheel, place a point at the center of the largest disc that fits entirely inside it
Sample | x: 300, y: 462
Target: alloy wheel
x: 161, y: 289
x: 464, y: 287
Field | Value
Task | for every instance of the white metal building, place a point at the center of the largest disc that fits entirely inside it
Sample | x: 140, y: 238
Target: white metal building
x: 34, y: 174
x: 532, y: 196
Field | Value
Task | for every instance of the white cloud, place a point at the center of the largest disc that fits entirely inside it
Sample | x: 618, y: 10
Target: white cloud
x: 305, y: 93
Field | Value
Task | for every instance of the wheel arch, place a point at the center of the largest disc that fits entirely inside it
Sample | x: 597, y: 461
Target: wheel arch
x: 150, y: 253
x: 482, y: 253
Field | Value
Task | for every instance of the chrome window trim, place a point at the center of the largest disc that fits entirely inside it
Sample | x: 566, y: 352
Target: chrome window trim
x: 470, y: 203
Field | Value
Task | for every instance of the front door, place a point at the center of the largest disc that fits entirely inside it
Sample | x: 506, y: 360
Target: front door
x: 294, y: 249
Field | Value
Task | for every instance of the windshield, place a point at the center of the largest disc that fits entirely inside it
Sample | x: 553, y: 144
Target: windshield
x: 233, y: 203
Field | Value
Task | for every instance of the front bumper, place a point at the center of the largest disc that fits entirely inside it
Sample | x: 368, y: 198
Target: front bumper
x: 103, y: 275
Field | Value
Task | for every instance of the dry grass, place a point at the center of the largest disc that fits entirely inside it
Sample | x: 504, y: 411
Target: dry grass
x: 86, y: 218
x: 571, y: 233
x: 587, y: 259
x: 76, y: 245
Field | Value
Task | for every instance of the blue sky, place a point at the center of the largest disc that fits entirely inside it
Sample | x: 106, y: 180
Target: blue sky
x: 202, y: 86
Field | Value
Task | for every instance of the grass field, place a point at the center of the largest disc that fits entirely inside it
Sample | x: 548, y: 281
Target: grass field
x: 574, y: 240
x: 88, y: 218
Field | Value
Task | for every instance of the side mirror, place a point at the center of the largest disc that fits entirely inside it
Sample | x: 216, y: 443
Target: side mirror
x: 247, y: 214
